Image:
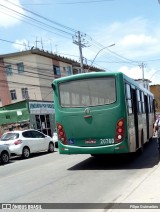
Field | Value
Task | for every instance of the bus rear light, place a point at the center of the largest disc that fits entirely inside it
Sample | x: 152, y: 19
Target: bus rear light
x: 119, y: 131
x: 61, y: 134
x: 120, y: 123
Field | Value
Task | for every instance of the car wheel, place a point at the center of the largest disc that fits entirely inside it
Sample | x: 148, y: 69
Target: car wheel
x: 4, y: 157
x: 26, y: 152
x: 51, y: 147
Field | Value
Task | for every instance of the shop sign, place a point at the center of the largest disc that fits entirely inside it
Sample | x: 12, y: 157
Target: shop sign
x: 41, y: 107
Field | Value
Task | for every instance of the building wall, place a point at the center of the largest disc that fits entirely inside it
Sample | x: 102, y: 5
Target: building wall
x: 155, y: 89
x: 144, y: 83
x: 46, y: 77
x: 40, y: 69
x: 27, y: 79
x: 4, y: 89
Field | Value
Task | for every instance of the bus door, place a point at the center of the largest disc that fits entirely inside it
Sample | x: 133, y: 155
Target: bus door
x: 135, y: 111
x: 147, y: 114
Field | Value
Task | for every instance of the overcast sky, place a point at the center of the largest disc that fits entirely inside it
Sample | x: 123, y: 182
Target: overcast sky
x: 132, y: 25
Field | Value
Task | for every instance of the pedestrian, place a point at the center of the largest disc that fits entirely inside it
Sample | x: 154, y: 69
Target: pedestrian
x: 157, y: 130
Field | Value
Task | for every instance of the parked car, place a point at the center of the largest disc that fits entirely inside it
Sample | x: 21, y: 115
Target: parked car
x: 55, y: 139
x: 25, y: 142
x: 4, y: 154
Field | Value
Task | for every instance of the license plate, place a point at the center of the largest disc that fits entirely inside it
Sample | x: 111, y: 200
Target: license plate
x: 90, y: 142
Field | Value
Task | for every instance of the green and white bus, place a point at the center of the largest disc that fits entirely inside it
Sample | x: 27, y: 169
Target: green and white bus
x: 102, y: 113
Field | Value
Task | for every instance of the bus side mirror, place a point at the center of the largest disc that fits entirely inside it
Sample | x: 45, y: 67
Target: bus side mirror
x: 53, y: 86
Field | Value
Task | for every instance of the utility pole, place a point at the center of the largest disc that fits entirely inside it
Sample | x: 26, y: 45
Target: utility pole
x: 80, y: 44
x: 142, y: 67
x: 42, y: 43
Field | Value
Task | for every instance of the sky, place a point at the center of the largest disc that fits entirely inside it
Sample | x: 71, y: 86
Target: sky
x: 117, y: 35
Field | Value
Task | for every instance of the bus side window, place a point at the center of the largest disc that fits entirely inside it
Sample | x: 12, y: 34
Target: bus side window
x: 139, y: 101
x: 129, y: 99
x: 149, y: 105
x: 142, y: 101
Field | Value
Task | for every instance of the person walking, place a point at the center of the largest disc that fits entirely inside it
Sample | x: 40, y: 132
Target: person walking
x: 157, y: 130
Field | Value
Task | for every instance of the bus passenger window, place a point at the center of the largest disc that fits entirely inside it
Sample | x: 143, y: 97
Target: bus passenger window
x: 149, y: 106
x: 139, y: 101
x: 142, y: 101
x: 129, y: 99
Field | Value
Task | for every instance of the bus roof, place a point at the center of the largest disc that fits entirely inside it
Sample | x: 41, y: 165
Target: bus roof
x: 101, y: 74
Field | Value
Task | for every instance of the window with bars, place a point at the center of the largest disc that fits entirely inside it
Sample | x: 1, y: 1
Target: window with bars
x: 8, y: 69
x: 20, y: 67
x: 68, y: 70
x: 56, y: 70
x: 13, y: 94
x: 25, y: 94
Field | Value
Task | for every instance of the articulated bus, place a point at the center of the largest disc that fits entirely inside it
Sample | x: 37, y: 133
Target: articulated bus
x: 102, y: 113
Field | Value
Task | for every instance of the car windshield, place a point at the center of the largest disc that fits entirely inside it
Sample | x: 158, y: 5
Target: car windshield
x: 9, y: 136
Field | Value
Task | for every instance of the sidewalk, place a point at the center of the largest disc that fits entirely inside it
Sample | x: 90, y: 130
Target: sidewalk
x: 143, y: 192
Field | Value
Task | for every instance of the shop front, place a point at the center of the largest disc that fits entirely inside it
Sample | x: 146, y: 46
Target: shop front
x: 26, y: 114
x: 42, y: 116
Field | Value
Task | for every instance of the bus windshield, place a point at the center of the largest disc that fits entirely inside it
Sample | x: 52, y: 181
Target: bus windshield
x: 88, y: 92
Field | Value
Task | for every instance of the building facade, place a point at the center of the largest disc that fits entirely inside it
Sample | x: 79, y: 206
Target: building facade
x: 26, y: 114
x: 155, y: 89
x: 26, y: 95
x: 29, y: 74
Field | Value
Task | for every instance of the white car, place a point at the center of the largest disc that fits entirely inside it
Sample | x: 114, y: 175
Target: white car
x: 4, y: 154
x: 25, y: 142
x: 55, y: 139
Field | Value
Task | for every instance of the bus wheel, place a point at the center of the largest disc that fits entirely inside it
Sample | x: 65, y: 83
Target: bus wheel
x: 142, y: 143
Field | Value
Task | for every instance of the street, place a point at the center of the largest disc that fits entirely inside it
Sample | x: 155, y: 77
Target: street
x: 55, y: 178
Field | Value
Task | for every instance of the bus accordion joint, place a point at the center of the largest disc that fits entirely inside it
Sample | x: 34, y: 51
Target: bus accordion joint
x: 119, y: 131
x: 61, y: 134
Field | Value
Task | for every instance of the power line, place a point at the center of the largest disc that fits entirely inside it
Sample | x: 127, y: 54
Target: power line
x: 78, y: 2
x: 40, y: 16
x: 79, y: 43
x: 124, y: 59
x: 33, y: 19
x: 20, y: 83
x: 114, y: 53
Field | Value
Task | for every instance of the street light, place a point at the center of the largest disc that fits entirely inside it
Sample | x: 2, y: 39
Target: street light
x: 98, y: 54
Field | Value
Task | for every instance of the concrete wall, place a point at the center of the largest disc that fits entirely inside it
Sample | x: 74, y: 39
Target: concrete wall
x: 46, y: 77
x: 28, y: 79
x: 37, y: 76
x: 5, y: 98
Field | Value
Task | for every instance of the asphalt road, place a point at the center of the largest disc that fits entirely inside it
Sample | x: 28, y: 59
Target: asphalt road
x: 55, y: 178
